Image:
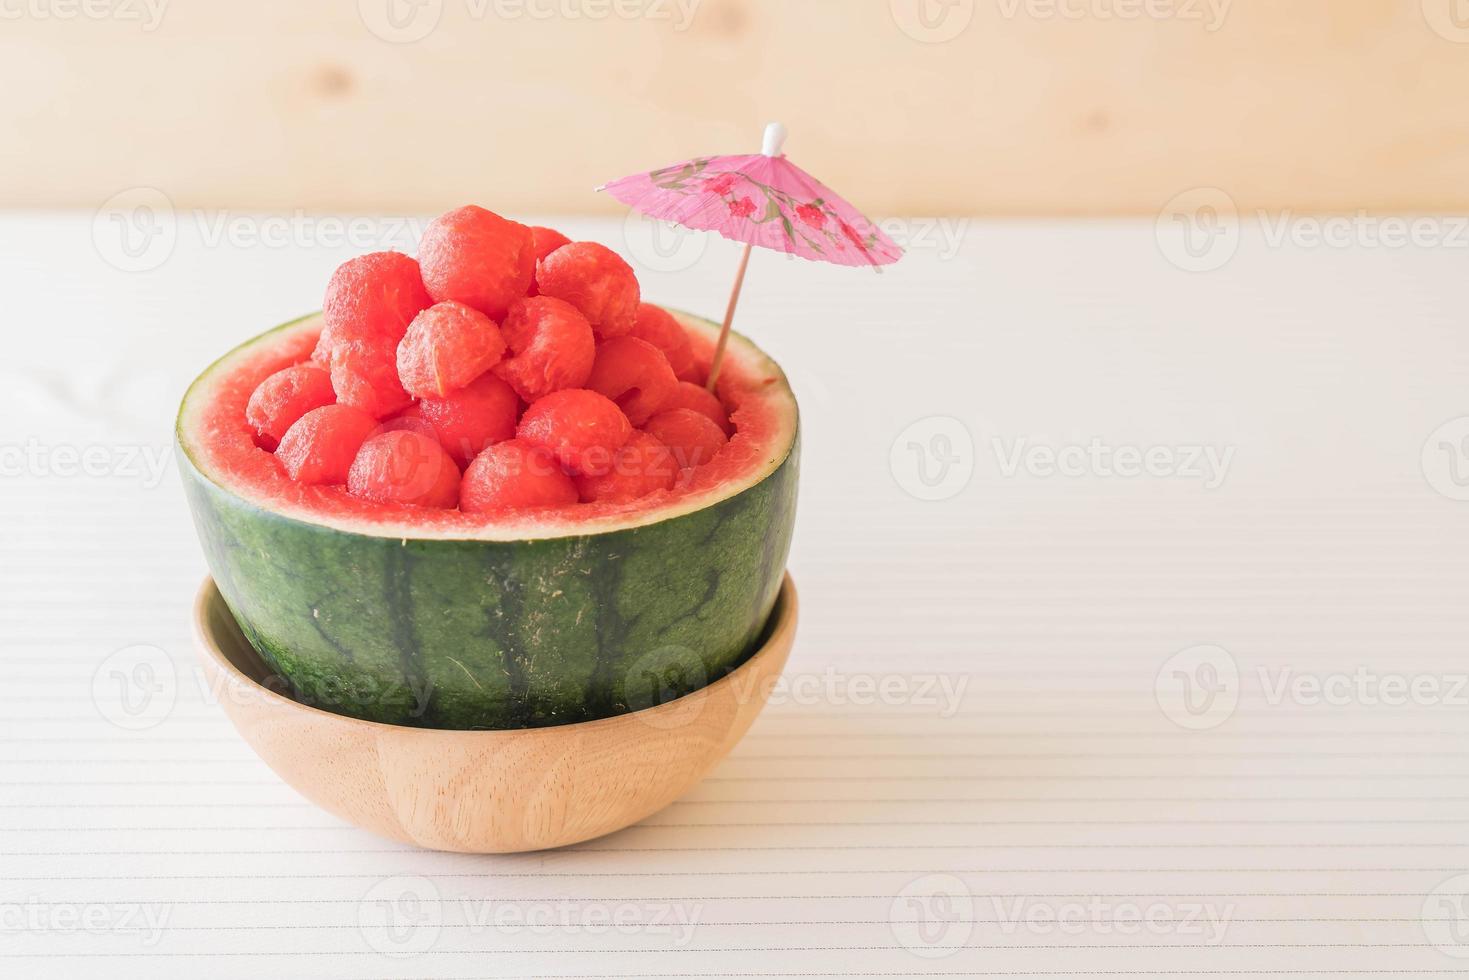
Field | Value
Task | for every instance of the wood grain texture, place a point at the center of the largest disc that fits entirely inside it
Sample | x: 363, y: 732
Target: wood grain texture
x: 1034, y: 106
x: 488, y: 791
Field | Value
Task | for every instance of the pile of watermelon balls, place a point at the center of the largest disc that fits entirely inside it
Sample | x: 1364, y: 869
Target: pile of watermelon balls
x: 508, y: 368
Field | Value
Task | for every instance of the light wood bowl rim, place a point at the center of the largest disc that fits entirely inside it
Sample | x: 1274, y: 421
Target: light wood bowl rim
x: 781, y: 626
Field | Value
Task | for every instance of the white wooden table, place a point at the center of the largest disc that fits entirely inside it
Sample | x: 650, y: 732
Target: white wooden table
x: 1127, y: 591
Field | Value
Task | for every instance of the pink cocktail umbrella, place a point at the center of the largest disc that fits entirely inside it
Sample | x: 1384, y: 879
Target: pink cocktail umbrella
x: 759, y: 199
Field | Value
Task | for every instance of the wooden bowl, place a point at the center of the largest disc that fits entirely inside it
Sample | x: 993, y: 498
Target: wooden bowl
x: 488, y: 792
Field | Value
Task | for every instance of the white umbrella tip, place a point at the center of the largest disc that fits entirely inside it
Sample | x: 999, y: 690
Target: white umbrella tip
x: 775, y: 137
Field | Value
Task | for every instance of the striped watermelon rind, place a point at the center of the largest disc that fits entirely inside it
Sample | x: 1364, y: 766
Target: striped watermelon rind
x: 411, y: 622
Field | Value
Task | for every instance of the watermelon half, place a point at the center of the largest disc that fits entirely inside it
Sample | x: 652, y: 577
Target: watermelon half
x: 448, y: 620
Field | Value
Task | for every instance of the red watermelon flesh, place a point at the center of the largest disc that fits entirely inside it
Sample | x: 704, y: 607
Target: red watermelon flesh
x: 640, y: 467
x: 447, y: 346
x: 658, y: 327
x: 514, y: 476
x: 544, y: 241
x: 595, y: 280
x: 285, y: 396
x: 701, y: 400
x: 322, y: 444
x: 551, y: 347
x: 477, y: 416
x: 371, y: 298
x: 634, y: 375
x: 475, y: 257
x: 403, y: 466
x: 761, y: 418
x: 365, y: 376
x: 581, y: 428
x: 693, y: 439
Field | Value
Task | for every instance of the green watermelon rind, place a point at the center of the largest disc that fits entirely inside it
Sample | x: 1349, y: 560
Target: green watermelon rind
x: 468, y: 633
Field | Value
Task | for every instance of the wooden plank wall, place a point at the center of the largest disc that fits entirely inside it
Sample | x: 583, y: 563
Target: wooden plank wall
x: 908, y: 106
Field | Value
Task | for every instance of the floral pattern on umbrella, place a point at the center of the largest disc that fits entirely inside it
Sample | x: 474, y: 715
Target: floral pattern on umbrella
x: 759, y: 200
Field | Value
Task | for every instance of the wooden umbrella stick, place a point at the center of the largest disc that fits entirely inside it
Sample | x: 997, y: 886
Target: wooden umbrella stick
x: 734, y: 299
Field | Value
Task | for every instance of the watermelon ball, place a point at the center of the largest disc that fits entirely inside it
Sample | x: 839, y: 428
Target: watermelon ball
x: 658, y: 327
x: 409, y: 418
x: 447, y: 346
x: 284, y: 397
x: 402, y: 466
x: 514, y: 475
x: 581, y: 428
x: 480, y: 414
x: 692, y: 438
x: 635, y: 375
x: 551, y: 347
x: 642, y: 466
x: 701, y: 400
x: 475, y: 257
x: 365, y: 376
x: 320, y: 446
x: 373, y: 298
x: 546, y: 240
x: 595, y: 280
